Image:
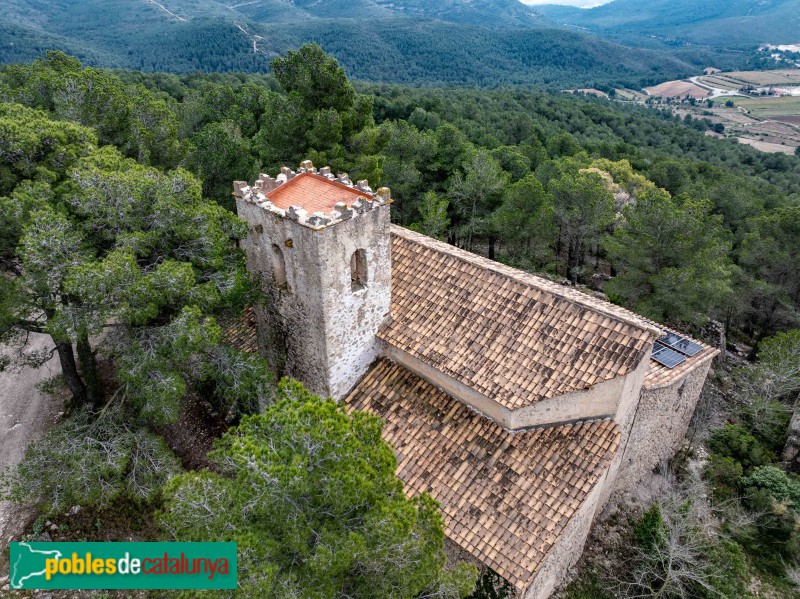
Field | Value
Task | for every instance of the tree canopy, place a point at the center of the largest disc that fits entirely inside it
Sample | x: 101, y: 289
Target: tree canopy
x: 309, y: 492
x: 671, y: 257
x: 470, y: 149
x: 93, y: 239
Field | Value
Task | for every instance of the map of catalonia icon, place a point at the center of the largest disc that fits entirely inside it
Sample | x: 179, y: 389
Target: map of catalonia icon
x: 28, y: 563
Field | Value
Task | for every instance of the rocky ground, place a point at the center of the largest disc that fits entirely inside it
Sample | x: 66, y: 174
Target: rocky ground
x: 26, y: 413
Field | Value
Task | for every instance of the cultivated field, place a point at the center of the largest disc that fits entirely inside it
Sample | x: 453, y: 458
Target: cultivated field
x: 739, y: 79
x: 677, y: 89
x: 767, y: 123
x: 589, y: 91
x: 630, y: 95
x: 757, y: 78
x: 722, y: 82
x: 768, y: 107
x: 770, y: 123
x: 765, y: 146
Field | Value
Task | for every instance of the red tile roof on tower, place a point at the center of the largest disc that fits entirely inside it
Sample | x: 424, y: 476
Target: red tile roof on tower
x: 314, y: 193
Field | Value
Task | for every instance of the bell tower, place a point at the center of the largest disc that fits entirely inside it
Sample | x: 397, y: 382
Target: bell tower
x: 320, y: 245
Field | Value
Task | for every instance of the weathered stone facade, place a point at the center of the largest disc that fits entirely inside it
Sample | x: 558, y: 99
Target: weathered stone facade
x: 624, y: 417
x: 321, y: 315
x: 660, y: 420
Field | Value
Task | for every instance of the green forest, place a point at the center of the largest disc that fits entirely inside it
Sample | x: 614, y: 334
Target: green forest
x: 117, y: 223
x: 413, y: 42
x: 391, y: 50
x: 496, y: 158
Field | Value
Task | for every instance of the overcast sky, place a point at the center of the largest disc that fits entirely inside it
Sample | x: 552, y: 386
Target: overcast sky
x: 580, y: 3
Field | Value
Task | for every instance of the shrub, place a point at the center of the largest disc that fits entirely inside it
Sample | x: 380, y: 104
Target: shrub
x: 90, y: 461
x: 768, y: 421
x: 725, y: 473
x: 735, y: 441
x: 771, y: 541
x: 728, y: 562
x: 649, y: 530
x: 492, y: 586
x: 668, y: 557
x: 782, y: 487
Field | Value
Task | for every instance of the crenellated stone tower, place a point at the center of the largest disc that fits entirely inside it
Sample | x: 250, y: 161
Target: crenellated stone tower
x: 321, y: 248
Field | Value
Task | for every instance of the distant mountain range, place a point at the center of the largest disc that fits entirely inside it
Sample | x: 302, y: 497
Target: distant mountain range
x: 66, y: 14
x: 446, y: 42
x: 714, y: 23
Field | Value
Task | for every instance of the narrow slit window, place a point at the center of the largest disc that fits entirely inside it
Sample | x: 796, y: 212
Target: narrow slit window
x: 278, y: 266
x: 358, y: 270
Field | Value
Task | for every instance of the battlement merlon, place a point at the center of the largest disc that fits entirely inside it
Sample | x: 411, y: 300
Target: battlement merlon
x: 357, y: 198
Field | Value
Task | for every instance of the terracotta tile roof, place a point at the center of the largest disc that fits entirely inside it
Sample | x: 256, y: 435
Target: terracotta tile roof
x: 506, y: 497
x: 510, y: 335
x: 240, y: 333
x: 661, y: 376
x: 314, y: 193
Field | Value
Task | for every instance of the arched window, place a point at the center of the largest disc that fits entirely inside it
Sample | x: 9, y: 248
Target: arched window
x: 358, y: 270
x: 278, y: 266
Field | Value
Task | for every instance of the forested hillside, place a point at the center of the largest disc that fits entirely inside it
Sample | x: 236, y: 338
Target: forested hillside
x: 72, y: 14
x: 429, y: 53
x: 420, y: 43
x: 116, y: 214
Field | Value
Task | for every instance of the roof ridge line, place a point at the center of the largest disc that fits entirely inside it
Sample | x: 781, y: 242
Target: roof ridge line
x: 599, y: 306
x: 329, y: 180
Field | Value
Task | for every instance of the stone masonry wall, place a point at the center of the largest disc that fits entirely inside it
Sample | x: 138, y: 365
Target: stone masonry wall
x: 566, y: 552
x: 290, y: 326
x: 352, y: 317
x: 316, y: 327
x: 660, y: 423
x: 625, y: 416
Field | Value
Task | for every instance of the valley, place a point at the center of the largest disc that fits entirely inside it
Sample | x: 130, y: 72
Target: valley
x: 757, y: 108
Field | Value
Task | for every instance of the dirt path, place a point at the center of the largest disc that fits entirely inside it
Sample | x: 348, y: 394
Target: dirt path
x: 164, y: 8
x: 25, y: 414
x: 251, y: 36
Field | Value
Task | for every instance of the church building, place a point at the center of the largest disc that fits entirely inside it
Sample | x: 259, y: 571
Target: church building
x: 519, y: 404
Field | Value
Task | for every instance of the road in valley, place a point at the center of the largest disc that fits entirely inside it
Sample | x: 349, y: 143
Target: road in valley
x: 715, y: 91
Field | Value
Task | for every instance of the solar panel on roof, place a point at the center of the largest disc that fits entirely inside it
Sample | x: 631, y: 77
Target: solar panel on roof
x: 666, y: 356
x: 681, y: 344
